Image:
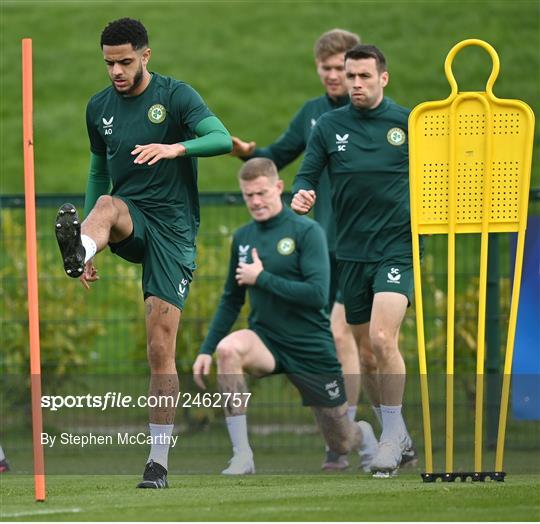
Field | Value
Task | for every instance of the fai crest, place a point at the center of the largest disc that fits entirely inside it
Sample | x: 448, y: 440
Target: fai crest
x: 396, y: 136
x: 286, y: 246
x: 157, y: 113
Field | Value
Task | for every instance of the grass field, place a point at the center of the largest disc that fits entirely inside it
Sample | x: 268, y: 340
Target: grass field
x: 251, y: 60
x: 288, y: 486
x: 322, y: 497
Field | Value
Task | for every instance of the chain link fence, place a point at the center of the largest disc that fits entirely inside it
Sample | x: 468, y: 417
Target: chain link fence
x: 94, y: 341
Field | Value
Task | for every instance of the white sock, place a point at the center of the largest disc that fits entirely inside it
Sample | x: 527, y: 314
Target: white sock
x: 159, y: 451
x: 237, y: 428
x: 2, y: 456
x: 377, y: 411
x: 89, y: 247
x: 392, y: 422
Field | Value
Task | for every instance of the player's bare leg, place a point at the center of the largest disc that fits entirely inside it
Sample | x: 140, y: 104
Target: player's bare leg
x: 368, y: 367
x: 343, y: 435
x: 239, y: 352
x: 387, y: 314
x: 348, y: 357
x: 347, y: 354
x: 371, y: 386
x: 109, y: 221
x: 162, y: 320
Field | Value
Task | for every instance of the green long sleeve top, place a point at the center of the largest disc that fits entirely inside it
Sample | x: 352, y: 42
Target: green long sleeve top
x: 292, y: 143
x: 168, y: 111
x: 366, y: 155
x: 288, y: 299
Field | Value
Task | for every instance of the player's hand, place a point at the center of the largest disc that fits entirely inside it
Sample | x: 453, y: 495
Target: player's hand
x: 303, y: 201
x: 201, y: 367
x: 152, y: 153
x: 246, y: 274
x: 241, y: 148
x: 89, y: 274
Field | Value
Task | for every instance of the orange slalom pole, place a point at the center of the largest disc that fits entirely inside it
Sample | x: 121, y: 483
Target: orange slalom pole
x: 31, y: 265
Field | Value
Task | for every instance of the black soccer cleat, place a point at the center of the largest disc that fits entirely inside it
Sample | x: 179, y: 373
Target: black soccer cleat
x: 68, y: 236
x: 154, y: 476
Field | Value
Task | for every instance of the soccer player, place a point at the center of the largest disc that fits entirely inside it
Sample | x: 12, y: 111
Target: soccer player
x: 145, y: 131
x: 329, y: 52
x: 364, y: 147
x: 281, y: 261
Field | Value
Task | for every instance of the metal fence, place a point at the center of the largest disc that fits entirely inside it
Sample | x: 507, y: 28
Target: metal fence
x: 96, y: 339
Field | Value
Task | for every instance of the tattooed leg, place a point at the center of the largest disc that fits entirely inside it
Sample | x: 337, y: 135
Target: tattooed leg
x: 231, y: 378
x: 233, y: 384
x: 162, y: 320
x: 340, y: 433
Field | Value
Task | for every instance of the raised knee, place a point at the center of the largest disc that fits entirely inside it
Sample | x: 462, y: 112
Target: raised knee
x: 104, y: 201
x: 226, y: 352
x: 107, y: 208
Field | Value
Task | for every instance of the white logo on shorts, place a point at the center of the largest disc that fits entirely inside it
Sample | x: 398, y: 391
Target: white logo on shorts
x: 394, y: 276
x: 333, y: 390
x: 182, y: 287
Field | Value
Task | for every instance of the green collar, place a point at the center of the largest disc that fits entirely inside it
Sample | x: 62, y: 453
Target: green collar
x: 339, y: 102
x: 371, y: 113
x: 276, y: 220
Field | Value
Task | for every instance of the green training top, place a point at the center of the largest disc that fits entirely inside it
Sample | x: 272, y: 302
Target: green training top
x: 288, y: 299
x: 293, y: 142
x: 366, y: 153
x: 167, y: 112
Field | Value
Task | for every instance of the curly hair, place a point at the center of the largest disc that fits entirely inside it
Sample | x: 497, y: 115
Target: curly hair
x: 125, y: 31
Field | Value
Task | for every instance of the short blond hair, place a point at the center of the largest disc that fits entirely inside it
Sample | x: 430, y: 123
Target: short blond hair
x: 333, y: 42
x: 256, y: 167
